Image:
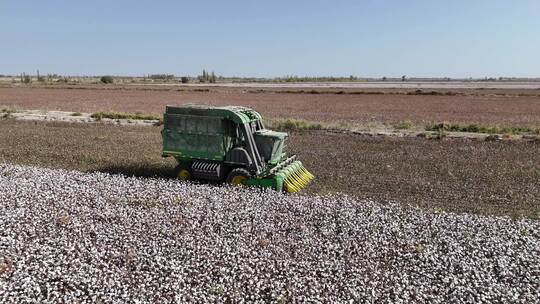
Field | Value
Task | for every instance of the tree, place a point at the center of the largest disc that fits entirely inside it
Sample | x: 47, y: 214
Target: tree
x: 107, y: 79
x: 26, y: 78
x: 39, y: 78
x: 404, y: 78
x: 204, y: 77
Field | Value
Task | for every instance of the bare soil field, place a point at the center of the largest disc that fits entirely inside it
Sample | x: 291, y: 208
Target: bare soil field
x: 453, y: 175
x: 517, y: 108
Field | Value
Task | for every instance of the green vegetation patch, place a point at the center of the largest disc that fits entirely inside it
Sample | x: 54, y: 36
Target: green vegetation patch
x: 118, y: 115
x: 474, y: 128
x: 434, y: 93
x: 8, y: 110
x: 404, y: 125
x: 295, y: 125
x: 107, y: 79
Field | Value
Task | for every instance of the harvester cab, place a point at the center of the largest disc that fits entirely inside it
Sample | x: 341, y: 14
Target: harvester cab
x: 230, y: 144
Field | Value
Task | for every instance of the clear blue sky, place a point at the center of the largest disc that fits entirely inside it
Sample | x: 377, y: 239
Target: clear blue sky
x: 375, y: 38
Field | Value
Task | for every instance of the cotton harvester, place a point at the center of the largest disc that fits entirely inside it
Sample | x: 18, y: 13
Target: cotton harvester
x: 229, y: 144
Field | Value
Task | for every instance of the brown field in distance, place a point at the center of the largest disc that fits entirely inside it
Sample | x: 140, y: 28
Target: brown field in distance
x: 517, y: 108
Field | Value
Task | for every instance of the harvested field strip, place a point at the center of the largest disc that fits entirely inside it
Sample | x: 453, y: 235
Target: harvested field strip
x: 147, y: 240
x: 299, y: 125
x: 455, y: 175
x: 406, y: 128
x: 78, y: 117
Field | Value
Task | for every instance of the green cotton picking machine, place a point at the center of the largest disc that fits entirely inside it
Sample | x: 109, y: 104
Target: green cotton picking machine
x: 229, y: 144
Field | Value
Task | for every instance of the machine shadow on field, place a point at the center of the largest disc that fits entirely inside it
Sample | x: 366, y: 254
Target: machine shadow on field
x: 134, y: 170
x: 147, y: 171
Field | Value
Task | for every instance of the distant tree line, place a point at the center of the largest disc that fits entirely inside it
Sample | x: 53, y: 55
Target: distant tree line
x: 295, y: 78
x: 161, y: 77
x: 211, y: 77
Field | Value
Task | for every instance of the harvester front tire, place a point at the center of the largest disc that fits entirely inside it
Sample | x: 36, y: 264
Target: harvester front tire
x: 238, y: 176
x: 183, y: 172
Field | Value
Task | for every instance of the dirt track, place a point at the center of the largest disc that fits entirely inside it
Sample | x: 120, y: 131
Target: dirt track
x: 361, y: 109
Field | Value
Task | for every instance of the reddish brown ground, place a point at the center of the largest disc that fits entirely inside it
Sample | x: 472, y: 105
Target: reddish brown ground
x: 455, y: 175
x: 483, y: 107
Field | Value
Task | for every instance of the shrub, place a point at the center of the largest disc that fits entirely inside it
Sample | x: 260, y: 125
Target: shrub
x: 26, y: 79
x: 8, y: 110
x: 474, y: 128
x: 115, y: 115
x: 106, y: 79
x: 295, y: 125
x: 162, y: 77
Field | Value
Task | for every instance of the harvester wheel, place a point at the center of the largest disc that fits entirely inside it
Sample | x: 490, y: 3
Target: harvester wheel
x: 183, y: 172
x: 238, y: 176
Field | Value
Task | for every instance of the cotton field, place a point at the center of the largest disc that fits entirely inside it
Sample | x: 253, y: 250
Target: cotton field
x: 91, y: 237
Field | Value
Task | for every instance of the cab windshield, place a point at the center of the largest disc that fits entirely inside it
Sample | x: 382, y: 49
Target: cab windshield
x: 270, y: 147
